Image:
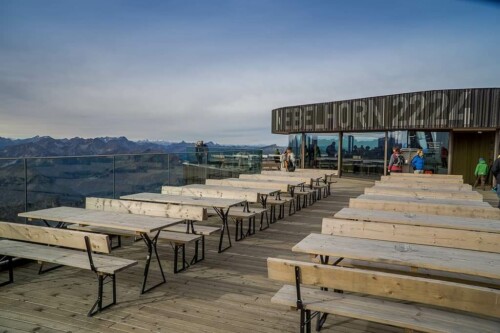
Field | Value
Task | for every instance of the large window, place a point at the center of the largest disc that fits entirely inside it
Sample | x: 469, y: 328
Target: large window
x: 321, y: 151
x: 363, y: 154
x: 434, y: 145
x: 295, y: 142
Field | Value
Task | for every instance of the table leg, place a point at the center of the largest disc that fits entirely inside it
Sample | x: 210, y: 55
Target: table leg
x: 224, y: 215
x: 151, y: 244
x: 263, y: 200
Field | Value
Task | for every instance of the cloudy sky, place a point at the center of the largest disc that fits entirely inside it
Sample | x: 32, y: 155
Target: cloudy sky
x: 214, y: 70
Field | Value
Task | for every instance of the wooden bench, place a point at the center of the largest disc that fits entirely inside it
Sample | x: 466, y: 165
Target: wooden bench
x: 30, y: 242
x: 307, y: 196
x: 280, y: 203
x: 146, y: 208
x: 441, y: 306
x: 179, y: 239
x: 239, y: 216
x: 257, y: 210
x: 423, y: 193
x: 457, y: 208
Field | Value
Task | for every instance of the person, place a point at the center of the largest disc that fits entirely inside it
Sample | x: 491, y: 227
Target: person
x: 199, y: 151
x: 495, y: 170
x: 288, y: 160
x: 444, y: 157
x: 418, y: 161
x: 481, y: 172
x: 331, y: 151
x: 397, y: 161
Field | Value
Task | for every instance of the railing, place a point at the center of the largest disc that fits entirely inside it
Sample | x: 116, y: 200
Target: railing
x: 41, y: 182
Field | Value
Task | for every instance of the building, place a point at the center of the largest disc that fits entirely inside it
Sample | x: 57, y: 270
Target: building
x: 454, y: 127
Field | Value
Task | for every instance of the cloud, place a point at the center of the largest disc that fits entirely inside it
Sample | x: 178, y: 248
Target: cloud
x: 176, y: 80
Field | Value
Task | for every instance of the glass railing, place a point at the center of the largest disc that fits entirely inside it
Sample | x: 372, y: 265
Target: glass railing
x: 35, y: 183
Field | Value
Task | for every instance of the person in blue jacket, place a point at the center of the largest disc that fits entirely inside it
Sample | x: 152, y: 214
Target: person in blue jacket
x: 418, y: 162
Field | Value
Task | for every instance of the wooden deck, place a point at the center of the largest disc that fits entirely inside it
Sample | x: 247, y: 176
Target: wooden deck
x: 228, y: 292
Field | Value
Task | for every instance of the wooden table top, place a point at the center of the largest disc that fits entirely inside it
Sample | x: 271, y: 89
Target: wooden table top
x: 264, y: 191
x: 482, y: 264
x: 184, y: 200
x: 130, y: 222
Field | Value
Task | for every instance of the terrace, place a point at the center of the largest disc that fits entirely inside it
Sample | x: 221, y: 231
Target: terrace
x: 227, y: 292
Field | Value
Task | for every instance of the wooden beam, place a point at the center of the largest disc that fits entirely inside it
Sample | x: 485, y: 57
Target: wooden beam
x: 426, y: 176
x: 235, y: 193
x: 420, y: 219
x: 426, y: 208
x: 147, y: 208
x: 54, y: 236
x: 282, y: 186
x: 418, y: 180
x: 480, y: 300
x: 296, y: 177
x: 414, y: 234
x: 423, y: 193
x: 425, y: 186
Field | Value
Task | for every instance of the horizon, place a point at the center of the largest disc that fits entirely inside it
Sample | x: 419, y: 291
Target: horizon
x: 173, y: 71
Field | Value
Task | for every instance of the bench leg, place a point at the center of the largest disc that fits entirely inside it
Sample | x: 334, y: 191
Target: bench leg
x: 262, y: 221
x: 182, y: 247
x: 196, y: 258
x: 225, y: 228
x: 98, y: 307
x: 273, y: 214
x: 251, y: 226
x: 321, y: 321
x: 11, y: 272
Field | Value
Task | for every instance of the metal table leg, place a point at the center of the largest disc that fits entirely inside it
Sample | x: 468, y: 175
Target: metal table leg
x: 225, y: 227
x: 151, y: 244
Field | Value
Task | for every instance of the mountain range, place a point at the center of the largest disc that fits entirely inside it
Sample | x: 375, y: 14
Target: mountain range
x: 42, y: 146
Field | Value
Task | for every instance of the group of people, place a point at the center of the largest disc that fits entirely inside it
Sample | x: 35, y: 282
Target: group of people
x: 287, y: 160
x: 397, y: 161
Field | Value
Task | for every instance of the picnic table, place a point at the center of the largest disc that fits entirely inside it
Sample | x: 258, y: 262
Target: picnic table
x: 307, y: 179
x: 251, y: 195
x: 147, y: 227
x: 474, y: 263
x: 286, y: 186
x: 221, y: 207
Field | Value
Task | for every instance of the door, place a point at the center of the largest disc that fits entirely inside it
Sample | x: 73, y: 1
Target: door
x: 468, y: 147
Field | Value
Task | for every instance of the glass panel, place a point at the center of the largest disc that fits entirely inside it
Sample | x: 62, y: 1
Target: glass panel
x: 141, y: 173
x: 434, y: 145
x: 11, y: 189
x: 321, y: 151
x: 363, y: 154
x: 66, y: 181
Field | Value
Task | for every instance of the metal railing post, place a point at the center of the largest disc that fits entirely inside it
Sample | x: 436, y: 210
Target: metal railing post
x: 114, y: 176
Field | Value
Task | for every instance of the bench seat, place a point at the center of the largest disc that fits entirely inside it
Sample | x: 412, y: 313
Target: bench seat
x: 417, y: 317
x: 180, y: 239
x: 199, y: 229
x: 60, y: 256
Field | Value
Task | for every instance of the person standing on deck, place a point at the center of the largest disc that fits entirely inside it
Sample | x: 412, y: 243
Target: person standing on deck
x: 418, y: 161
x: 481, y: 172
x: 495, y: 170
x: 397, y: 161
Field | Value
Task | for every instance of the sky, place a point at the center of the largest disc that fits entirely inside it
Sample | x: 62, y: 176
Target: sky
x: 214, y: 70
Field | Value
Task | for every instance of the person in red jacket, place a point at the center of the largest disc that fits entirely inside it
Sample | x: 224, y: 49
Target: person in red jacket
x: 397, y: 161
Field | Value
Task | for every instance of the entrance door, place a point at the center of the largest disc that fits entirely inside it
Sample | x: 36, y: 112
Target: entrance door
x: 468, y: 147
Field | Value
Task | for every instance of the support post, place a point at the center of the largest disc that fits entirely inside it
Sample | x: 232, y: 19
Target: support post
x: 303, y: 151
x: 450, y: 152
x: 386, y: 147
x: 339, y: 154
